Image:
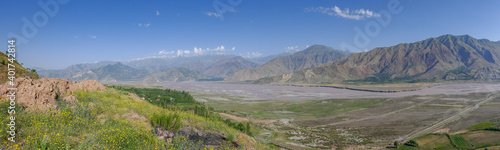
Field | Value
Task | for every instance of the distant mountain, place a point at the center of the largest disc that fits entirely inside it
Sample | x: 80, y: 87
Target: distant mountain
x: 216, y: 65
x: 228, y: 67
x: 310, y: 57
x: 111, y: 73
x: 445, y: 57
x: 72, y: 70
x: 174, y: 74
x: 199, y: 63
x: 262, y: 60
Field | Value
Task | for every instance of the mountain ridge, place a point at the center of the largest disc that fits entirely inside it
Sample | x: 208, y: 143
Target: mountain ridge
x: 310, y: 57
x: 433, y: 58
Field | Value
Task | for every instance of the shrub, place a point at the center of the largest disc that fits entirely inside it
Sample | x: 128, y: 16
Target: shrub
x: 412, y: 143
x: 170, y: 121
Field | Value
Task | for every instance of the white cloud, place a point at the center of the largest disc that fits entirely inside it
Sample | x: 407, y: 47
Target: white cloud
x: 357, y: 14
x: 292, y: 47
x: 253, y: 55
x: 75, y: 37
x: 93, y: 36
x: 157, y: 13
x: 220, y: 48
x: 165, y: 52
x: 145, y: 25
x: 212, y: 14
x: 196, y: 51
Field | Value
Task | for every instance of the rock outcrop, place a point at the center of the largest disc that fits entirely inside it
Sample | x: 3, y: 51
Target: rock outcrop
x: 42, y: 93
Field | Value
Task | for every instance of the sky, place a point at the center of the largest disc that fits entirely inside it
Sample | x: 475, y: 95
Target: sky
x: 53, y: 34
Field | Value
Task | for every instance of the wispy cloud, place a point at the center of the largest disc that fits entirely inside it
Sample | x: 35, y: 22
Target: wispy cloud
x: 75, y: 37
x: 157, y: 13
x: 357, y: 14
x: 292, y: 47
x: 253, y: 55
x: 92, y: 36
x: 196, y: 51
x: 212, y: 14
x: 145, y: 25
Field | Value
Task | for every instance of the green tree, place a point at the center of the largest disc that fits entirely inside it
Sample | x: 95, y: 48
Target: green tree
x: 396, y: 143
x: 412, y: 143
x: 247, y: 129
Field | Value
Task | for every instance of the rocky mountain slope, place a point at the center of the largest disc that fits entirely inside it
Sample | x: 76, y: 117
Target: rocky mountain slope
x: 174, y: 74
x: 111, y: 73
x: 444, y: 57
x: 228, y: 67
x: 213, y: 66
x: 72, y: 70
x: 42, y: 93
x: 310, y: 57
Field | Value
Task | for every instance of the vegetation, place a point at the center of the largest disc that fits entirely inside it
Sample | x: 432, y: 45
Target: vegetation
x: 167, y: 121
x: 382, y: 78
x: 489, y: 125
x: 412, y: 143
x: 212, y: 79
x: 460, y: 142
x: 107, y: 120
x: 481, y: 135
x: 180, y: 100
x: 19, y: 69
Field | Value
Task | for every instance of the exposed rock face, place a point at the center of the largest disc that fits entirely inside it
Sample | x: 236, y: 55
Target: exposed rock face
x: 42, y: 93
x: 486, y: 73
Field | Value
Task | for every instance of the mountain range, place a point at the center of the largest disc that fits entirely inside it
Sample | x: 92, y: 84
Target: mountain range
x: 155, y: 69
x: 446, y: 57
x: 310, y: 57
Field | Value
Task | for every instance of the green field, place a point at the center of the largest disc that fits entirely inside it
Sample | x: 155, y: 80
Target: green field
x: 480, y: 136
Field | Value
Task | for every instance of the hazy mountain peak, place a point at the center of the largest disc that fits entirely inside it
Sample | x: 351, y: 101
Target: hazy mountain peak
x: 310, y: 57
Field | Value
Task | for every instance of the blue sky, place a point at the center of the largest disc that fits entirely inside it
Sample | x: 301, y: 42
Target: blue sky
x: 96, y: 30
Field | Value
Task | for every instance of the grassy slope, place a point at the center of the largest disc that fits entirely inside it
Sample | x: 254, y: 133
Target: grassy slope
x: 105, y: 120
x: 20, y: 70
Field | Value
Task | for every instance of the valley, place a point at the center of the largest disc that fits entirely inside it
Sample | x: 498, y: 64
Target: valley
x: 250, y: 75
x: 298, y: 117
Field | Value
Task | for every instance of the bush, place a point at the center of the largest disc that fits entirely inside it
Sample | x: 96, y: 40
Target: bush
x: 171, y: 121
x: 412, y: 143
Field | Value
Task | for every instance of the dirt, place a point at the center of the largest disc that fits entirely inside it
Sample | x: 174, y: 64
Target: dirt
x: 135, y: 117
x: 241, y: 119
x: 41, y: 94
x: 135, y: 97
x: 275, y: 92
x: 483, y: 137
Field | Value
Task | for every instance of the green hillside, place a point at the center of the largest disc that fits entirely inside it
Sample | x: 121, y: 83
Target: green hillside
x: 20, y: 70
x: 114, y: 119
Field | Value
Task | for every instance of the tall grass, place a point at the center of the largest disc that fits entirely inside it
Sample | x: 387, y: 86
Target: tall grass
x: 170, y: 121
